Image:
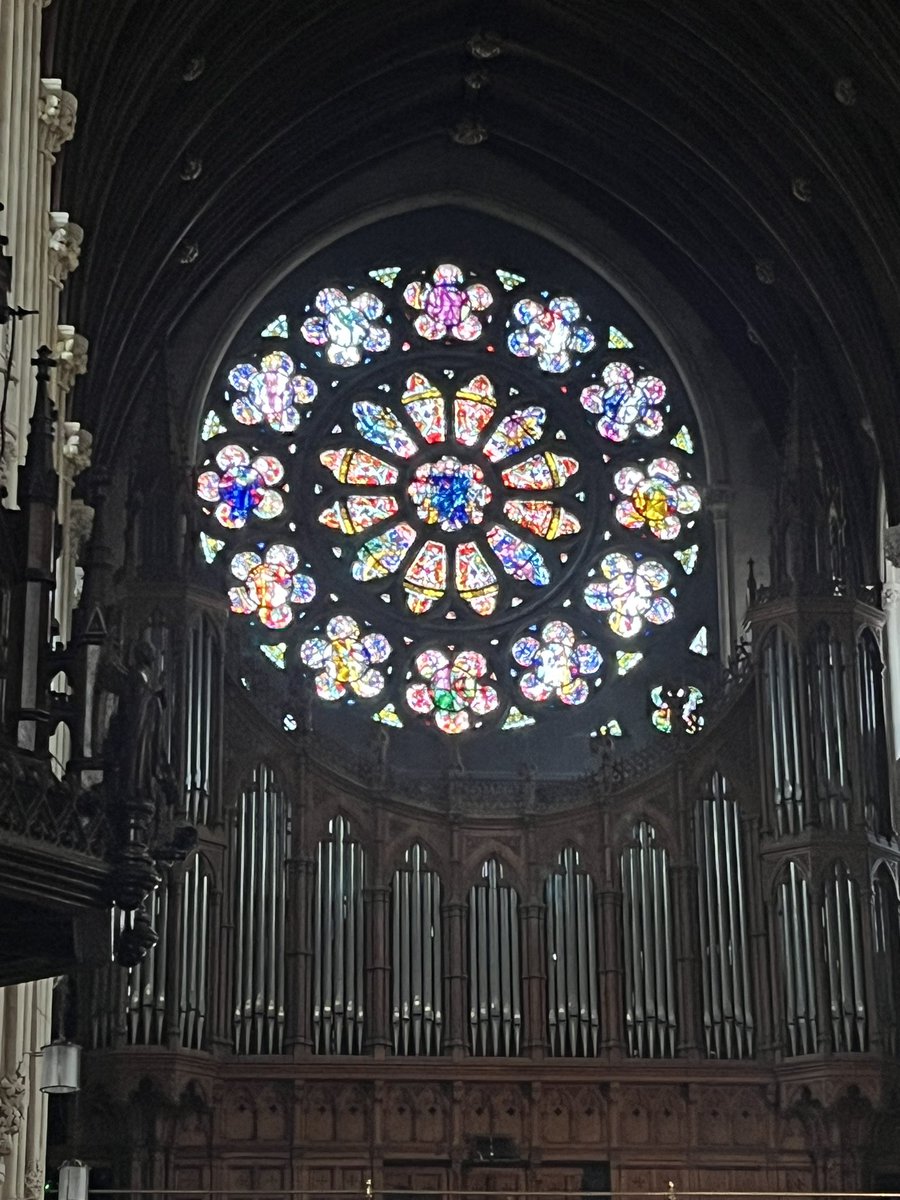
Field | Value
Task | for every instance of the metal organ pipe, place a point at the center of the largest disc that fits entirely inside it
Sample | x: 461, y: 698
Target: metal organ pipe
x: 844, y: 958
x: 797, y: 964
x: 828, y: 718
x: 261, y: 849
x: 495, y: 1002
x: 728, y: 1022
x: 416, y: 1011
x: 338, y: 1010
x: 650, y: 1008
x: 872, y: 735
x: 195, y: 914
x: 782, y: 692
x: 574, y: 1011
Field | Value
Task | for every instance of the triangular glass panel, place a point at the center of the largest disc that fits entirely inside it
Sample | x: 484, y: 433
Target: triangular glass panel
x: 688, y: 558
x: 509, y: 279
x: 385, y: 275
x: 612, y: 728
x: 618, y: 340
x: 683, y: 440
x: 515, y: 719
x: 700, y: 642
x: 388, y: 716
x: 626, y: 659
x: 210, y: 546
x: 276, y: 328
x: 212, y: 426
x: 275, y: 654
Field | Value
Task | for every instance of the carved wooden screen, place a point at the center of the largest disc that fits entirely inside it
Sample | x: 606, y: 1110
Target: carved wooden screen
x: 728, y: 1022
x: 260, y: 847
x: 339, y: 962
x: 650, y: 1003
x: 495, y: 999
x: 572, y: 992
x: 416, y: 971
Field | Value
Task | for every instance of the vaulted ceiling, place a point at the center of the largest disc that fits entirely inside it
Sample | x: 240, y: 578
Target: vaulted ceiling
x: 747, y: 148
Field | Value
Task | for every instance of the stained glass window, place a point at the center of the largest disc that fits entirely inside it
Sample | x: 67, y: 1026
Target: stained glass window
x: 468, y: 499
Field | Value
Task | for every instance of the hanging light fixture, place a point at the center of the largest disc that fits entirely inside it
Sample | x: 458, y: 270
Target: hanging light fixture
x: 73, y: 1180
x: 61, y: 1067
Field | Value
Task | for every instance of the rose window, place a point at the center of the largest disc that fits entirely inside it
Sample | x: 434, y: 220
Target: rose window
x: 479, y: 512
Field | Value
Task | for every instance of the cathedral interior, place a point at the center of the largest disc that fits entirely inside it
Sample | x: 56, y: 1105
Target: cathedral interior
x: 449, y: 620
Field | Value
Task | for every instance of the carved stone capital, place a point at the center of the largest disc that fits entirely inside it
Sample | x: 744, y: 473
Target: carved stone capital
x: 76, y: 449
x: 63, y: 248
x: 10, y: 459
x: 892, y: 545
x: 81, y: 524
x: 57, y: 110
x: 12, y: 1105
x: 71, y: 354
x: 34, y: 1181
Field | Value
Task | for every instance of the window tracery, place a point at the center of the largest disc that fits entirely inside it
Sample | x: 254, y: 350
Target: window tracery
x: 505, y: 511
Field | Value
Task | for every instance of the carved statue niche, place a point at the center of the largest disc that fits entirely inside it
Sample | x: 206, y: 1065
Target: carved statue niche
x: 140, y: 791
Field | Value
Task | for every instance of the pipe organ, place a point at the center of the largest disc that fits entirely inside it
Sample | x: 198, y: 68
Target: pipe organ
x: 416, y: 957
x: 495, y: 987
x: 650, y: 1004
x: 734, y: 912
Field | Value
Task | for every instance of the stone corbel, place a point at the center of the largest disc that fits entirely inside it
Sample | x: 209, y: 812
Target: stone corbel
x: 76, y: 449
x: 12, y: 1106
x: 71, y: 354
x: 63, y: 248
x: 57, y: 110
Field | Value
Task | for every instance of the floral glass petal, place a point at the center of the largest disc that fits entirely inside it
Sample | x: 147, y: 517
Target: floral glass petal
x: 426, y: 408
x: 557, y: 665
x: 473, y: 409
x: 543, y: 517
x: 426, y: 580
x: 625, y: 405
x: 243, y: 487
x: 378, y: 425
x: 270, y: 585
x: 517, y: 557
x: 541, y: 472
x: 272, y: 392
x: 447, y: 308
x: 347, y: 328
x: 358, y: 512
x: 515, y: 432
x: 451, y: 693
x: 382, y: 555
x: 358, y: 467
x: 345, y: 661
x: 626, y: 594
x: 549, y: 333
x: 656, y: 499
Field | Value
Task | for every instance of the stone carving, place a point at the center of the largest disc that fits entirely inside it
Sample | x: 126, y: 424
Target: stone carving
x: 34, y: 1181
x: 57, y: 110
x: 71, y: 354
x: 12, y: 1105
x: 9, y: 460
x: 470, y: 131
x: 63, y: 249
x: 892, y: 544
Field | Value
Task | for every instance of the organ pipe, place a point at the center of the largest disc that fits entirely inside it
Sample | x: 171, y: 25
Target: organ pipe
x: 728, y: 1021
x: 650, y: 1011
x: 781, y: 682
x: 199, y: 718
x: 261, y: 846
x: 195, y: 946
x: 797, y: 963
x: 495, y: 1003
x: 338, y: 1009
x: 574, y: 1011
x: 872, y: 736
x: 829, y: 725
x: 417, y: 1010
x: 844, y: 960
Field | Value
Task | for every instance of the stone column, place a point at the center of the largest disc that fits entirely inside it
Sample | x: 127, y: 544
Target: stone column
x: 25, y: 1011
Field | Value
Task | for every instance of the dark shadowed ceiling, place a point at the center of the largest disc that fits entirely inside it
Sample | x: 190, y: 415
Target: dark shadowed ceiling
x: 748, y: 149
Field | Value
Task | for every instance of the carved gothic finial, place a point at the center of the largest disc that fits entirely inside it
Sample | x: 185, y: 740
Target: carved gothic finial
x: 191, y: 169
x: 765, y: 270
x: 188, y: 252
x: 71, y: 352
x: 845, y: 91
x: 57, y: 110
x: 193, y: 68
x: 801, y: 189
x: 64, y: 247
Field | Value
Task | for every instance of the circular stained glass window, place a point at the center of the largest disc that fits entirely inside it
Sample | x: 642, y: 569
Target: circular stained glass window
x: 458, y: 495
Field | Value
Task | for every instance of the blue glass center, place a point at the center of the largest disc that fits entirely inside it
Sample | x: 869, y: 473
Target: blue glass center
x: 450, y: 497
x: 240, y: 487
